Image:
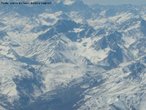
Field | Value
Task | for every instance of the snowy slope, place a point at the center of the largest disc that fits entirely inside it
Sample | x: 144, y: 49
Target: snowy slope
x: 69, y: 56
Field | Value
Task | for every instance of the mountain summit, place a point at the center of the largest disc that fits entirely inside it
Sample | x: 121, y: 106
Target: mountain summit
x: 71, y: 56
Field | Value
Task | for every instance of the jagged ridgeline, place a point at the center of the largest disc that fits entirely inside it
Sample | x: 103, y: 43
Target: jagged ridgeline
x: 71, y: 56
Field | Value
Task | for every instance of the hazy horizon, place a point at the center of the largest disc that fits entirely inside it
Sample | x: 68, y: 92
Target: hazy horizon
x: 115, y: 2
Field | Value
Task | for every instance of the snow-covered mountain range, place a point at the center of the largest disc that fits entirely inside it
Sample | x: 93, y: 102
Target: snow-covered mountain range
x: 71, y: 56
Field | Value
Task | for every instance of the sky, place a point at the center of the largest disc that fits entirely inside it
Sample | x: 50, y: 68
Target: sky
x: 116, y: 2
